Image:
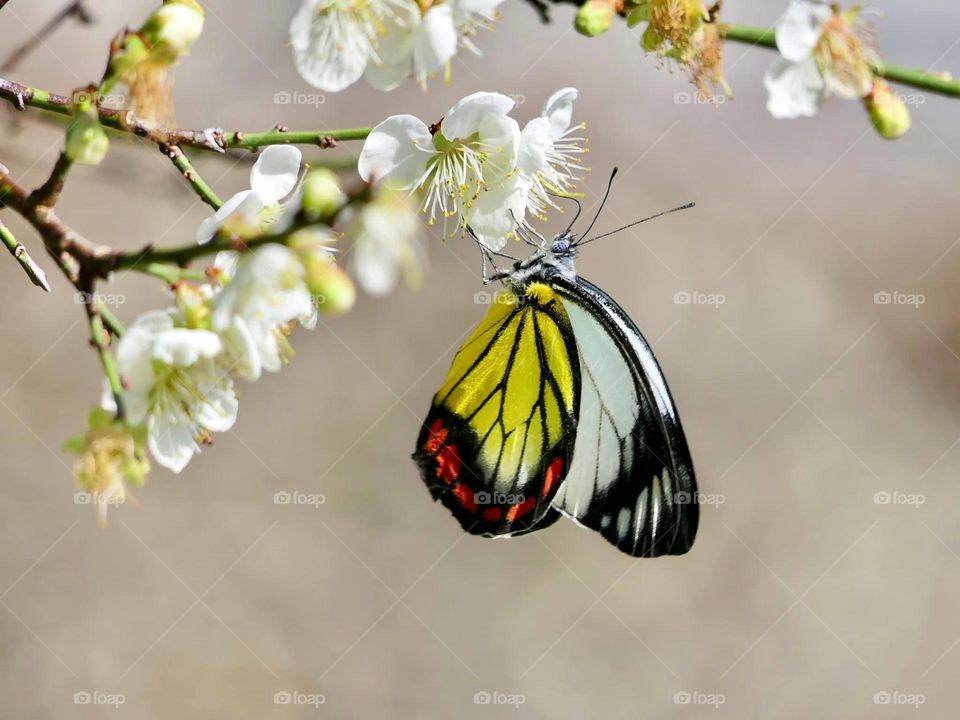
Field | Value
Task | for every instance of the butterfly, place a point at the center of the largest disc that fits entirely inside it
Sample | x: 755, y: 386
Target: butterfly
x: 555, y: 405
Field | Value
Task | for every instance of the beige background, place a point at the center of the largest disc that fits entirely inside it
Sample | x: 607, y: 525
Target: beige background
x: 801, y: 398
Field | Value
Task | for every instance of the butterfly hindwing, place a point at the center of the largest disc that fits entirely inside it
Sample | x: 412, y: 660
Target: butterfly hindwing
x: 632, y: 477
x: 501, y: 430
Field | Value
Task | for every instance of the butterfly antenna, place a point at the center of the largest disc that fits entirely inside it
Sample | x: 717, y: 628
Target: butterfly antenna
x: 575, y: 217
x: 602, y: 203
x: 652, y: 217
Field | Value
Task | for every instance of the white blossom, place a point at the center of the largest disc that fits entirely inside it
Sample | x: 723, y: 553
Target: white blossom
x: 175, y: 384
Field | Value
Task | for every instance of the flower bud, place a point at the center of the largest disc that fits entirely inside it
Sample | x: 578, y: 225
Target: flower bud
x: 322, y: 195
x: 173, y: 29
x: 86, y: 141
x: 126, y: 52
x: 594, y: 17
x: 888, y: 111
x: 333, y: 291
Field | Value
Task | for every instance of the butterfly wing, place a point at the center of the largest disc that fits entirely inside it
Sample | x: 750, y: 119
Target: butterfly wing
x: 500, y: 432
x: 632, y: 476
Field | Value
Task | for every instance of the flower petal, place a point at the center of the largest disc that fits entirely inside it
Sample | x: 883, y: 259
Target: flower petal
x: 398, y: 149
x: 170, y: 439
x: 208, y: 228
x: 275, y: 173
x: 329, y: 50
x: 559, y: 110
x: 500, y: 139
x: 435, y: 42
x: 463, y: 119
x: 535, y: 142
x: 182, y: 347
x: 496, y: 212
x: 795, y: 89
x: 800, y: 27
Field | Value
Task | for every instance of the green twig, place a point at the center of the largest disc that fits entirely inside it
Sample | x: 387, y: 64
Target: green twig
x: 100, y: 339
x: 941, y: 84
x: 48, y: 194
x: 199, y: 185
x: 170, y: 274
x: 110, y: 321
x: 33, y: 271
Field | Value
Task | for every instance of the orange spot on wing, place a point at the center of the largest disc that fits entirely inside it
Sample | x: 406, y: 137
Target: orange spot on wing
x: 436, y: 438
x: 464, y: 496
x: 521, y: 509
x: 550, y: 478
x: 449, y: 463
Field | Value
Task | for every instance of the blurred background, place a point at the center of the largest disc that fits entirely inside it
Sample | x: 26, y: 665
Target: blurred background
x: 822, y: 420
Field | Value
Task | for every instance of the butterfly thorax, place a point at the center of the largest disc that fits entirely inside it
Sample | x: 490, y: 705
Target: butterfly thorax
x: 556, y: 259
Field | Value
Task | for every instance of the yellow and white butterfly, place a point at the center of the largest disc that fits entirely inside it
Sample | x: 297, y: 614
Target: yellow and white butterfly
x: 555, y: 406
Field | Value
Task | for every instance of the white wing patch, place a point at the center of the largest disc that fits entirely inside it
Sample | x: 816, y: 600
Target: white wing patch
x: 609, y: 410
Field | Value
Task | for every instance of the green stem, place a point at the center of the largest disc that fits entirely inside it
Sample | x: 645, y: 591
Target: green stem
x: 199, y: 185
x: 941, y: 84
x: 100, y: 339
x: 170, y: 274
x: 323, y: 138
x: 110, y: 321
x: 33, y: 271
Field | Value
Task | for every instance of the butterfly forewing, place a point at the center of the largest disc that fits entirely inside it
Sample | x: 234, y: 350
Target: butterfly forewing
x: 501, y: 430
x: 632, y: 477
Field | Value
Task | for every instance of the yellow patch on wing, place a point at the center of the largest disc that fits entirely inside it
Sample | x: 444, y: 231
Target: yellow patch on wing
x: 513, y: 383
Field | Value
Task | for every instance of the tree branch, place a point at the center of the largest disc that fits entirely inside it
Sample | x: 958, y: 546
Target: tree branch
x: 33, y: 271
x: 199, y: 185
x: 100, y: 340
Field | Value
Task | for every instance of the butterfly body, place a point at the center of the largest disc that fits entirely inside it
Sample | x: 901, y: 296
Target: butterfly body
x: 556, y: 406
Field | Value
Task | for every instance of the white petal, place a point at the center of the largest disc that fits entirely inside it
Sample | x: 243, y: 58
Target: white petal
x: 388, y: 76
x: 559, y: 110
x: 208, y: 228
x: 800, y: 27
x: 329, y: 50
x: 170, y: 439
x: 795, y: 89
x: 463, y: 119
x: 242, y: 353
x: 182, y: 347
x: 496, y: 212
x: 275, y: 173
x: 463, y: 10
x: 500, y: 138
x: 376, y: 268
x: 535, y: 141
x: 218, y: 411
x: 396, y: 149
x: 435, y: 42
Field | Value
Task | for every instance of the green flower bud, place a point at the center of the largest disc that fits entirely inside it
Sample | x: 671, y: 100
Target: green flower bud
x: 888, y: 111
x: 322, y: 195
x: 86, y: 141
x: 333, y: 291
x: 173, y: 29
x: 594, y: 17
x: 126, y: 52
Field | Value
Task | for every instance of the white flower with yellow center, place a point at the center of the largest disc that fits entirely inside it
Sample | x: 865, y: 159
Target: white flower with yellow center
x: 822, y: 51
x: 333, y: 40
x: 387, y: 243
x: 173, y: 382
x: 453, y: 163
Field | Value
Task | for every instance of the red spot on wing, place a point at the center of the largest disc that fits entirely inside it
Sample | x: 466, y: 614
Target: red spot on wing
x: 521, y: 509
x: 492, y: 514
x: 449, y: 463
x: 438, y: 435
x: 550, y: 478
x: 465, y: 497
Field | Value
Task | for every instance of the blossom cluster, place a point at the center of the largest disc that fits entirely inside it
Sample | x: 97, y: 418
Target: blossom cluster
x: 179, y: 366
x: 336, y: 42
x: 477, y: 165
